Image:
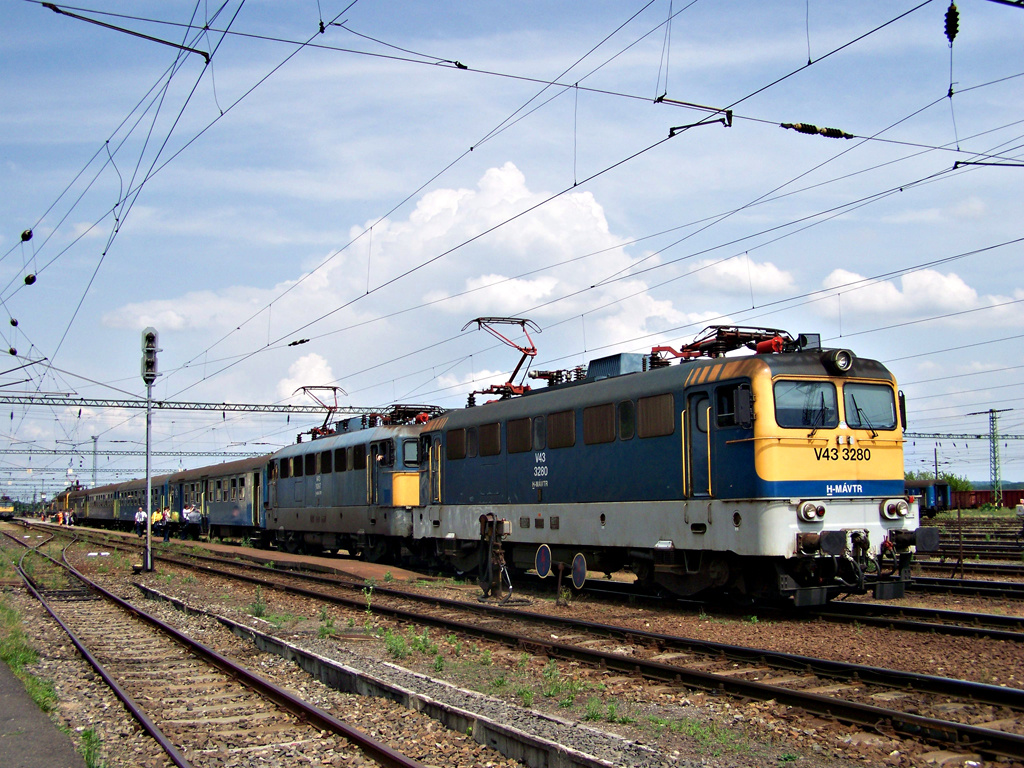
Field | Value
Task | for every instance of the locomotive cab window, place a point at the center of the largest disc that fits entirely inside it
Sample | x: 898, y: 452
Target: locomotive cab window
x: 869, y: 406
x: 733, y: 405
x: 410, y: 453
x: 806, y: 404
x: 384, y: 453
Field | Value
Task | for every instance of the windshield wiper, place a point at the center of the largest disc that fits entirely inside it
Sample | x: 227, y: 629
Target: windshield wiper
x: 820, y: 417
x: 861, y: 414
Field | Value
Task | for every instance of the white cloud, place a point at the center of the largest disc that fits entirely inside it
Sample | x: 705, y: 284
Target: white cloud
x: 309, y: 370
x: 925, y: 292
x: 741, y: 275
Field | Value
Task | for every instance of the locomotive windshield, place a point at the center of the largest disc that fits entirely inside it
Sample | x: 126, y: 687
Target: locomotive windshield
x: 810, y: 404
x: 869, y: 406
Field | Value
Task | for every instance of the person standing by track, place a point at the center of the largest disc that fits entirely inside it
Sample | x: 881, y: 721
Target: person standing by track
x: 140, y: 522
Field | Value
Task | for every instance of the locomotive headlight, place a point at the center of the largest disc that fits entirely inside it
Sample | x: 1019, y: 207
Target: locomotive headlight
x: 894, y: 509
x: 811, y: 511
x: 839, y: 360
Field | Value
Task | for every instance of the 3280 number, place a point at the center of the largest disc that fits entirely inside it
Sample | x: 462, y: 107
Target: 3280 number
x: 844, y: 454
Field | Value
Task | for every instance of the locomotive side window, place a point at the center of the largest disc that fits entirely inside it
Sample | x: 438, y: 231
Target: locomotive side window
x: 296, y: 466
x: 340, y: 463
x: 540, y: 433
x: 733, y: 406
x: 325, y: 463
x: 410, y: 453
x: 472, y: 443
x: 655, y: 416
x: 517, y: 433
x: 359, y: 457
x: 599, y: 424
x: 456, y: 449
x: 869, y: 406
x: 285, y: 468
x: 562, y: 429
x: 490, y: 439
x: 385, y: 453
x: 806, y: 404
x: 310, y: 459
x: 701, y: 410
x: 627, y: 419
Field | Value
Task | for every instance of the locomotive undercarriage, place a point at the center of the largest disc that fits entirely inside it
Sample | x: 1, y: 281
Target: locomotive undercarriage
x: 801, y: 581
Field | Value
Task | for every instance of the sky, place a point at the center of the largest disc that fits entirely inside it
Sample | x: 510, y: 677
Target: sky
x: 616, y: 172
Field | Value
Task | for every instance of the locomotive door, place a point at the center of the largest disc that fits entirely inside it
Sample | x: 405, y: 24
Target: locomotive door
x: 275, y: 469
x: 427, y: 469
x: 257, y: 500
x: 435, y: 470
x: 698, y: 420
x: 382, y: 455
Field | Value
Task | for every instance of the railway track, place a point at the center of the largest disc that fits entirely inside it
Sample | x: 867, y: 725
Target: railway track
x: 935, y: 621
x: 931, y: 708
x: 193, y: 701
x: 1006, y: 590
x: 950, y: 566
x: 931, y: 620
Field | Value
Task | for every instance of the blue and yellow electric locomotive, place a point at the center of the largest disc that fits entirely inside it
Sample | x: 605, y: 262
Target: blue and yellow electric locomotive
x: 773, y: 475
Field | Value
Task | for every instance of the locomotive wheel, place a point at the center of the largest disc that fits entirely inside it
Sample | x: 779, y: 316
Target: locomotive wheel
x: 291, y: 546
x: 376, y: 550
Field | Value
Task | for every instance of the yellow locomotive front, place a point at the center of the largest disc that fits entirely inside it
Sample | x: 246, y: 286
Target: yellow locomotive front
x: 828, y: 450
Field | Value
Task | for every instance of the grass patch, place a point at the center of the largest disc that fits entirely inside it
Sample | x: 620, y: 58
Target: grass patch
x: 16, y: 652
x: 710, y: 735
x: 326, y: 628
x: 89, y: 749
x: 525, y: 695
x: 258, y: 607
x: 280, y: 619
x: 395, y: 645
